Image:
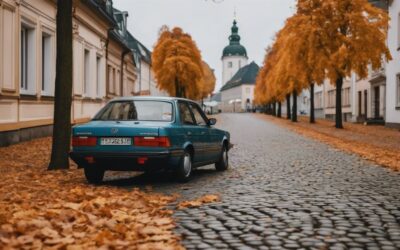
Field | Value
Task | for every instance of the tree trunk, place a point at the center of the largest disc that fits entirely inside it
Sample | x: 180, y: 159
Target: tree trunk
x: 178, y: 88
x: 338, y: 114
x: 288, y: 114
x: 274, y: 109
x: 312, y: 111
x: 279, y: 109
x: 63, y: 88
x: 294, y: 113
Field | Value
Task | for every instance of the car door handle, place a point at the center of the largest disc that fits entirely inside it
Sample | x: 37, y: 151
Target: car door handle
x: 189, y: 133
x: 203, y: 133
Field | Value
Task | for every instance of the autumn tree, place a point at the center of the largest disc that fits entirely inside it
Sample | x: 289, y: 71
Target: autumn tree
x: 326, y: 39
x: 63, y: 88
x: 207, y: 82
x: 305, y: 47
x: 177, y: 63
x: 350, y: 35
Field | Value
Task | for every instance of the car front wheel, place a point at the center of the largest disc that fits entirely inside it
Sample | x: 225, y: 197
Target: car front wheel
x: 184, y: 169
x: 94, y: 175
x: 223, y: 163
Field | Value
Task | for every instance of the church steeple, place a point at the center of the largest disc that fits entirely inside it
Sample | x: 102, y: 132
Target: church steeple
x: 234, y: 48
x: 234, y: 38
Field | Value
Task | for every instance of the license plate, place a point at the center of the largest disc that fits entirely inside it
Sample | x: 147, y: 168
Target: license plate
x: 116, y: 141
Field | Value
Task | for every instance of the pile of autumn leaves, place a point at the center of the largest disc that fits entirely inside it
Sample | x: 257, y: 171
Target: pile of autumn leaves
x: 178, y: 66
x: 59, y: 210
x: 324, y: 39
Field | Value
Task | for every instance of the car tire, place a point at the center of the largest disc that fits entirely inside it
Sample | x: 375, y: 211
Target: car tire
x: 223, y: 163
x: 94, y: 175
x: 184, y: 170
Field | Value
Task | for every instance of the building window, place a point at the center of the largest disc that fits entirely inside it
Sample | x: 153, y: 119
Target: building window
x: 86, y: 72
x: 111, y: 79
x: 248, y: 90
x: 398, y: 91
x: 331, y: 98
x: 46, y: 64
x: 117, y: 83
x: 27, y: 65
x: 240, y: 64
x: 318, y: 100
x: 98, y: 76
x: 230, y: 64
x: 305, y: 100
x: 398, y: 31
x: 346, y: 97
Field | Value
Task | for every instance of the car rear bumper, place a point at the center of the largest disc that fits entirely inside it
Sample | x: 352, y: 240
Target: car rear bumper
x: 121, y: 161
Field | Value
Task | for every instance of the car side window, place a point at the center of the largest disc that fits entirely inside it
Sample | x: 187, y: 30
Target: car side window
x: 185, y: 114
x: 200, y: 120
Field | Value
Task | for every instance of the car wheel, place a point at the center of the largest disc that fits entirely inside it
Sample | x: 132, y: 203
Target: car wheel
x: 184, y: 169
x: 94, y: 175
x: 223, y: 163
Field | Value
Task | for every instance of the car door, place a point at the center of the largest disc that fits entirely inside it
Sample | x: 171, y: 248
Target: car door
x: 192, y: 134
x: 202, y: 130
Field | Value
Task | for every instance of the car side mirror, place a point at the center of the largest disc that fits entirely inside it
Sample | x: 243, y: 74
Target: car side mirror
x: 212, y: 121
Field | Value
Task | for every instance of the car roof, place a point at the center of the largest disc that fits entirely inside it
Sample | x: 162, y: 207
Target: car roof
x: 150, y: 98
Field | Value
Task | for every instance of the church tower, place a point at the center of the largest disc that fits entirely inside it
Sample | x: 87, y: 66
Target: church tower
x: 234, y: 55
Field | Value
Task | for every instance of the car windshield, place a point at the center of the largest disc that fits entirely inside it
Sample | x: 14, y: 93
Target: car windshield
x: 136, y: 111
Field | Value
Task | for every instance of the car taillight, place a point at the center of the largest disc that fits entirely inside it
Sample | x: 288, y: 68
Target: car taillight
x: 83, y: 141
x: 149, y: 141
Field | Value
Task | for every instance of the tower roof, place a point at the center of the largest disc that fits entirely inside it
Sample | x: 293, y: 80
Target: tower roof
x: 234, y: 48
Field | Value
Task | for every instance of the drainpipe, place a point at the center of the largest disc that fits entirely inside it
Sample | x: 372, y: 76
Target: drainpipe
x: 107, y: 73
x: 149, y: 79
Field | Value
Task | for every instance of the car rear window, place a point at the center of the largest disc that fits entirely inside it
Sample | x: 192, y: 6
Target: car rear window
x: 136, y: 111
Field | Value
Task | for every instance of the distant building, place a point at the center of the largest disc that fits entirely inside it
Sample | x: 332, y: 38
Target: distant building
x: 237, y: 94
x: 234, y: 56
x: 238, y: 77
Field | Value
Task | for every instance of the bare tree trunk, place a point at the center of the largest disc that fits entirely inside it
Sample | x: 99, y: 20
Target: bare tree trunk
x: 294, y: 113
x: 279, y: 109
x: 312, y: 111
x: 288, y: 114
x: 63, y: 88
x: 338, y: 114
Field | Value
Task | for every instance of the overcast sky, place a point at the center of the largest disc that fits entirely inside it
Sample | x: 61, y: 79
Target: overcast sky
x: 209, y: 23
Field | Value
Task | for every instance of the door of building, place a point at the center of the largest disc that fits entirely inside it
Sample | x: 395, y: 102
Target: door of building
x: 359, y: 103
x: 365, y: 104
x: 376, y: 101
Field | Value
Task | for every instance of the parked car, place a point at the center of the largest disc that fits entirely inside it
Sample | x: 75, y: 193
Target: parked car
x: 147, y: 134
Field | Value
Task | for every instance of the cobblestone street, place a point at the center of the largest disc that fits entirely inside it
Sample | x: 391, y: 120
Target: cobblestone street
x: 287, y: 191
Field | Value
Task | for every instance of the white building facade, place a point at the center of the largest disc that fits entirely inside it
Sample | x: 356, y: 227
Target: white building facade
x: 393, y: 67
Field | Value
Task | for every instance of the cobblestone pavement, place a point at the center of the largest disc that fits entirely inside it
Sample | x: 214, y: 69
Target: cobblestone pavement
x: 285, y: 191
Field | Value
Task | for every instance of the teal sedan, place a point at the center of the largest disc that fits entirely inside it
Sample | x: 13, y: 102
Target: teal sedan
x: 148, y: 134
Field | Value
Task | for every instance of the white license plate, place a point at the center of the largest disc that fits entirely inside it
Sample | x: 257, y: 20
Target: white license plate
x: 116, y: 141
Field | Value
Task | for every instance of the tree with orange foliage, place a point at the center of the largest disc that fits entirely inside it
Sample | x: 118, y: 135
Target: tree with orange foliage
x: 304, y: 47
x: 327, y: 39
x: 350, y: 35
x: 207, y: 82
x: 177, y: 63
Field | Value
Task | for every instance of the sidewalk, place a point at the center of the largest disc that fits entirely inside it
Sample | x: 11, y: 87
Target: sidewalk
x: 59, y: 210
x: 374, y: 143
